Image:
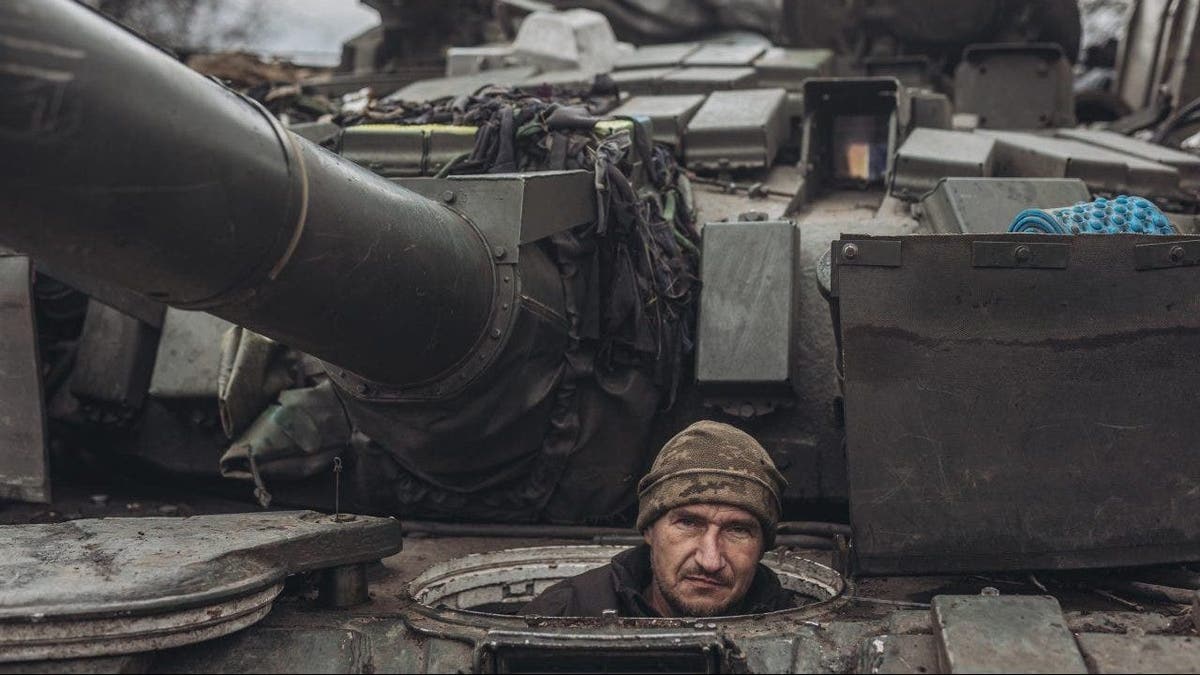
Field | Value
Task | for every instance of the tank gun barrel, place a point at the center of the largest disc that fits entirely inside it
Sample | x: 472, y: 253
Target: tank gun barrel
x: 125, y: 165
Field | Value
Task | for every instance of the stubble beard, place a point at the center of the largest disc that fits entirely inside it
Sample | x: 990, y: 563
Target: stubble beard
x: 682, y: 607
x: 679, y: 605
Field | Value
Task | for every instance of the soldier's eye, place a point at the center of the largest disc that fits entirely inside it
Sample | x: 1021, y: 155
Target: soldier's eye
x: 740, y: 531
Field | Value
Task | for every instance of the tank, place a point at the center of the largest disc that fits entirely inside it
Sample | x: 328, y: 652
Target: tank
x: 481, y: 302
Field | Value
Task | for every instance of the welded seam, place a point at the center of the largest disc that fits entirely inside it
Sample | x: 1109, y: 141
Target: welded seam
x: 302, y: 217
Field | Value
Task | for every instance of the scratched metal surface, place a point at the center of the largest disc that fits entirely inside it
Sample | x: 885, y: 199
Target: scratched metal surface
x: 1012, y: 418
x: 24, y: 454
x: 104, y: 586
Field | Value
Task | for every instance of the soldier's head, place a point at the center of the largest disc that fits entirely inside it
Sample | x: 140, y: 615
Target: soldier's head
x: 708, y: 509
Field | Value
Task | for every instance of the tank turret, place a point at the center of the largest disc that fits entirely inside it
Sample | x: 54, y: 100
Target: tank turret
x: 448, y: 316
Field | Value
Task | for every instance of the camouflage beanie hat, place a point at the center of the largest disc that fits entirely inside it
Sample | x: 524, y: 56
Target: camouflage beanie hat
x: 710, y: 462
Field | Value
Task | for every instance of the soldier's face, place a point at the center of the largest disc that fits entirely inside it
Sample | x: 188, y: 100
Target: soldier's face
x: 703, y: 558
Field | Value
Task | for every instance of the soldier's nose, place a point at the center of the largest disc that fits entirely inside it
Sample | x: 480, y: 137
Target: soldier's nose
x: 708, y: 554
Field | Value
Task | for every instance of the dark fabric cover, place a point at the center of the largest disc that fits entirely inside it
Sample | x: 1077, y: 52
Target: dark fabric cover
x: 621, y: 584
x: 557, y: 429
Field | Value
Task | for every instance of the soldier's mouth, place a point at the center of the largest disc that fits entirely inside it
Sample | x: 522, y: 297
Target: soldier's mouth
x: 705, y: 582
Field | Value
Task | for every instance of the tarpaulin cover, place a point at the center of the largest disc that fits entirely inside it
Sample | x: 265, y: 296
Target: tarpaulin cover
x: 557, y: 428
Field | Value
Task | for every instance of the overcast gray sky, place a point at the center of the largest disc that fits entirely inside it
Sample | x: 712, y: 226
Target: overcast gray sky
x: 309, y: 31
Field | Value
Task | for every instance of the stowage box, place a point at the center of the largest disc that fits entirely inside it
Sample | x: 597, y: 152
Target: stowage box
x: 1020, y: 401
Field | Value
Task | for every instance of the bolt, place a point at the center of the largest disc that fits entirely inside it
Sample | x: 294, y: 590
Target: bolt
x: 499, y: 252
x: 850, y: 251
x: 361, y: 389
x: 495, y: 333
x: 1176, y: 253
x: 990, y: 591
x: 448, y: 196
x: 1022, y: 254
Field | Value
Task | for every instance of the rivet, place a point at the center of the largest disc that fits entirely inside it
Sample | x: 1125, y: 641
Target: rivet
x: 506, y: 278
x: 1022, y: 253
x: 482, y: 357
x: 504, y: 306
x: 850, y: 251
x: 448, y: 196
x: 495, y: 333
x: 1176, y: 253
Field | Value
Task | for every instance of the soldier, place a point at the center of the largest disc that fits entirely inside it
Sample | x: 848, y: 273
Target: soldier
x: 707, y: 510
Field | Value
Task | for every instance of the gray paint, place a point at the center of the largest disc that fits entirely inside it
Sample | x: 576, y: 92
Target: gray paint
x: 24, y: 456
x: 737, y: 130
x: 668, y: 114
x: 189, y: 355
x: 980, y: 205
x: 1186, y: 164
x: 1020, y: 153
x: 980, y: 402
x: 747, y: 304
x: 929, y: 155
x: 1011, y: 634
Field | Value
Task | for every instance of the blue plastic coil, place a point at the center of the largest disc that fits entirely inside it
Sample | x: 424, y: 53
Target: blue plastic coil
x: 1134, y: 215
